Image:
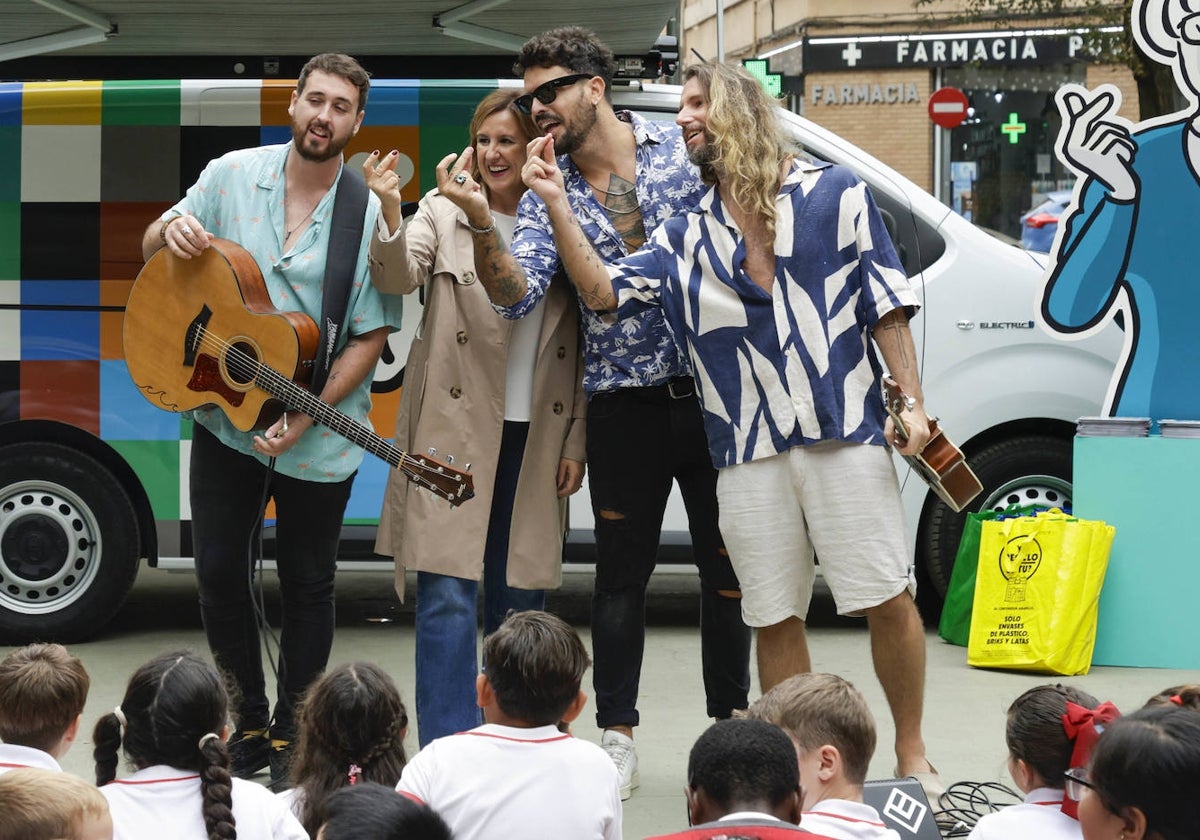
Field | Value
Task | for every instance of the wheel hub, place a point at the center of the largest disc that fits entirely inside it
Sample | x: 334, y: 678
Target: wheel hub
x: 35, y: 547
x: 49, y: 547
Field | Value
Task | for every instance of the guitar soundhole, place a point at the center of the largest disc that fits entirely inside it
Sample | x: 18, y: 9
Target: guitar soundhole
x: 241, y: 362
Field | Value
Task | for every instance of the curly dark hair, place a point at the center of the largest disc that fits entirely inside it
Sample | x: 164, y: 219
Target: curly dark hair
x: 573, y: 47
x: 352, y: 716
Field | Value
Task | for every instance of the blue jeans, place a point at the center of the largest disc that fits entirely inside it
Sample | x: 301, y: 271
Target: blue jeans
x: 447, y: 615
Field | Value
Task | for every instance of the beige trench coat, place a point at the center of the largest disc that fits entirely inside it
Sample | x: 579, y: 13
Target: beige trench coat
x: 453, y: 400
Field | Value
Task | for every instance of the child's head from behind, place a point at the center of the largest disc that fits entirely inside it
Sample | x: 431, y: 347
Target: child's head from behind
x: 1185, y: 696
x: 43, y: 689
x: 742, y: 765
x: 1039, y: 746
x: 370, y: 811
x: 534, y: 663
x: 38, y: 804
x: 351, y: 728
x: 173, y: 713
x: 832, y: 727
x: 1144, y: 772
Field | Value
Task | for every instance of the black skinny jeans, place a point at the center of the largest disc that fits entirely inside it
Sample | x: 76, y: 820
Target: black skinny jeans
x: 639, y: 440
x: 227, y: 497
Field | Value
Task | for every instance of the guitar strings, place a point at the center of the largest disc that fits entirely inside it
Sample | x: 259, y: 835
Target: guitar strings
x: 252, y: 370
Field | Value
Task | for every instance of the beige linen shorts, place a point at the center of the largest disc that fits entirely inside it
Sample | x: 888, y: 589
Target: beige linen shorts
x: 839, y: 500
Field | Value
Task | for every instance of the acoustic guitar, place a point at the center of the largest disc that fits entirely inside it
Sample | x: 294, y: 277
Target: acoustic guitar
x: 204, y: 332
x: 941, y: 464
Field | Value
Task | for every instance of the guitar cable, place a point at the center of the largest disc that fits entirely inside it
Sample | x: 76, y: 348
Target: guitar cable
x: 257, y: 591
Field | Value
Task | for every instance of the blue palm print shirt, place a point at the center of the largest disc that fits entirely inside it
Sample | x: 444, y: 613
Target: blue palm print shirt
x: 795, y: 365
x: 636, y: 348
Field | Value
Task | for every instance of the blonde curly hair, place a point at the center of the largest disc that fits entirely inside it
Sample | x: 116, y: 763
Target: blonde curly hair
x: 748, y: 144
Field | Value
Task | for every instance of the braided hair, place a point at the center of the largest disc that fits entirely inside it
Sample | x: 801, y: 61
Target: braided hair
x: 172, y: 705
x: 351, y: 728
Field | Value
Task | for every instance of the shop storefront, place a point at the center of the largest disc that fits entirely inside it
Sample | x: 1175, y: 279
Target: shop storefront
x: 999, y: 162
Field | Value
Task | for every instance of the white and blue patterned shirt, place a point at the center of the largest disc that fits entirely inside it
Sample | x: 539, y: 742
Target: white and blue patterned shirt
x: 793, y: 366
x: 637, y: 349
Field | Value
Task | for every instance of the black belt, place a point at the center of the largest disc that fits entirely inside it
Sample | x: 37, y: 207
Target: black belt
x: 675, y: 388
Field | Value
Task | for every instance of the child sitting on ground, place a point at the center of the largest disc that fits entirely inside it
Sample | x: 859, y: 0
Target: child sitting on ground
x: 492, y: 781
x: 42, y: 692
x: 1050, y: 729
x: 368, y: 811
x: 38, y: 804
x: 834, y: 735
x: 172, y: 725
x: 351, y: 727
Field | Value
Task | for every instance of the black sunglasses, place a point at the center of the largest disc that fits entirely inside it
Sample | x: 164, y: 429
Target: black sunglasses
x: 547, y: 92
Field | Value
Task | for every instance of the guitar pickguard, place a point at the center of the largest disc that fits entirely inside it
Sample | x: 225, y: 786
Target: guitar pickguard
x: 206, y: 378
x: 192, y: 336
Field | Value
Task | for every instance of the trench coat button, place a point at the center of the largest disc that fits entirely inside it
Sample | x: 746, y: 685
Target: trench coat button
x: 562, y: 352
x: 558, y: 408
x: 455, y: 392
x: 461, y: 337
x: 468, y: 277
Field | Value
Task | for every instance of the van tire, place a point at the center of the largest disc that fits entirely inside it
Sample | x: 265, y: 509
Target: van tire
x: 1029, y: 469
x: 68, y: 544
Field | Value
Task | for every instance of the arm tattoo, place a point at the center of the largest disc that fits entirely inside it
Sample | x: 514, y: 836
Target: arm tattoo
x: 897, y: 332
x: 501, y: 280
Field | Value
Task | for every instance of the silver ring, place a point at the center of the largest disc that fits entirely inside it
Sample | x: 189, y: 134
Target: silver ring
x: 187, y: 230
x: 460, y: 178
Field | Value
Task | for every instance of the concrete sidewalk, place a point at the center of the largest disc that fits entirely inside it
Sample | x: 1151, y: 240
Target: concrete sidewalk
x: 964, y: 712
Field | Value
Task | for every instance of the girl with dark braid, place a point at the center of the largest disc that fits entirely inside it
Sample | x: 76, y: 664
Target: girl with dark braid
x: 172, y: 726
x: 352, y: 724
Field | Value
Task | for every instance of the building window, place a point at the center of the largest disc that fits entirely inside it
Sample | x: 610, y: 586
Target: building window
x: 1000, y: 162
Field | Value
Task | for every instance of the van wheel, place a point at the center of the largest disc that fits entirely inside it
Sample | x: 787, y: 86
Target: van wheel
x: 1026, y: 470
x: 68, y: 544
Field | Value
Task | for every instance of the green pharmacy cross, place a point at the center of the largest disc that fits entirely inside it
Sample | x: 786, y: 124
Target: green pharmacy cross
x: 1013, y: 129
x: 771, y: 82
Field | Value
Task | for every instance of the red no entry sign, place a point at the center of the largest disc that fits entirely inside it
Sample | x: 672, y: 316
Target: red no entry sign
x: 948, y: 107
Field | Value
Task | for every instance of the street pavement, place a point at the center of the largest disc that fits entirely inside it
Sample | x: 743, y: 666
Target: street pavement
x: 964, y: 710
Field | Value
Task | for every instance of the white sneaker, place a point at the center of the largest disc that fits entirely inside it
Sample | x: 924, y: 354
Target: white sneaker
x: 620, y: 749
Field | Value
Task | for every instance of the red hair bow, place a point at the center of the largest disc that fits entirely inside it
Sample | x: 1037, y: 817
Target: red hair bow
x: 1083, y: 726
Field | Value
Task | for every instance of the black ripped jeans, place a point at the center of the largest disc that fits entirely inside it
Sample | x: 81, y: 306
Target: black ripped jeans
x: 640, y: 440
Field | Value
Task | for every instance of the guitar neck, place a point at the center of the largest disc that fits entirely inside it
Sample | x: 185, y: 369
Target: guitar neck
x: 301, y: 399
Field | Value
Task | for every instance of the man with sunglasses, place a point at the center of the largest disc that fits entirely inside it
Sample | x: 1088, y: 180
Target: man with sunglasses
x: 625, y: 176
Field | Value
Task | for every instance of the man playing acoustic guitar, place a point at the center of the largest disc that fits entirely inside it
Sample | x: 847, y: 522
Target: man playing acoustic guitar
x: 281, y: 203
x: 777, y: 283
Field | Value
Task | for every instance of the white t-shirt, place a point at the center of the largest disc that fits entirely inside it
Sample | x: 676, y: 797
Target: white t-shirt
x: 1039, y: 817
x: 846, y: 820
x: 522, y: 346
x: 163, y: 803
x: 16, y: 757
x: 499, y: 781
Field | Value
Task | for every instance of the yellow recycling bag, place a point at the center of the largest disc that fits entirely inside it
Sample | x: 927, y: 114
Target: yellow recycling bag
x: 1037, y: 593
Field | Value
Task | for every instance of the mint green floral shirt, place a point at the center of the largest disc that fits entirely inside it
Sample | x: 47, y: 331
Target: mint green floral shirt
x: 239, y: 197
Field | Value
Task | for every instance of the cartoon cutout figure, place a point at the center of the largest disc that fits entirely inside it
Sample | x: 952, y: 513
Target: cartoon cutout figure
x: 1129, y: 243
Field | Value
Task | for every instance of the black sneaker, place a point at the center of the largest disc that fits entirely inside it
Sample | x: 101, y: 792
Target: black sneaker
x: 249, y: 752
x: 281, y: 765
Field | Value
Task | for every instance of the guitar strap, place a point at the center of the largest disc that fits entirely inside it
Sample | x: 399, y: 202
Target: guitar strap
x: 345, y: 239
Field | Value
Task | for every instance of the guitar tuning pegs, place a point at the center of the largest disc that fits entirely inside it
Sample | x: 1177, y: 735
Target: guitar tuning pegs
x: 467, y: 467
x: 432, y: 451
x: 449, y: 459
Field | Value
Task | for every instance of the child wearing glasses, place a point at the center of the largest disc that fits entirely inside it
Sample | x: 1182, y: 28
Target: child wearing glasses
x: 490, y: 781
x: 1050, y: 732
x: 1143, y: 778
